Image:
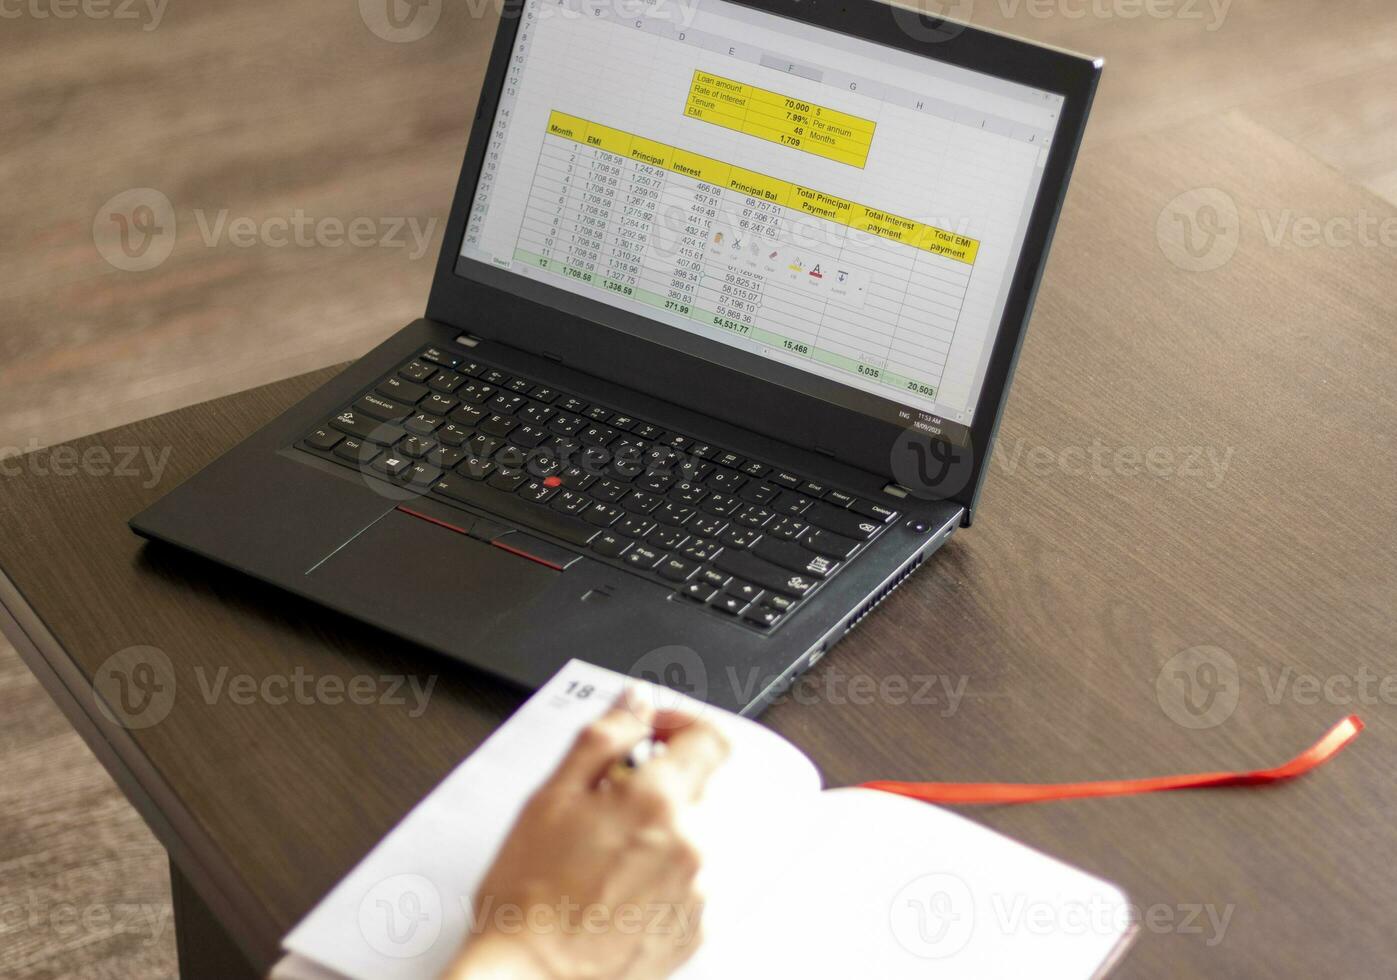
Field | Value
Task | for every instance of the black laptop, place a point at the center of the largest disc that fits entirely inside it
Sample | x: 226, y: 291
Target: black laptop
x: 724, y: 322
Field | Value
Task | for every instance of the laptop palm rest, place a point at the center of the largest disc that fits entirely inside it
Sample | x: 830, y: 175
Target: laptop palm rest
x: 411, y: 568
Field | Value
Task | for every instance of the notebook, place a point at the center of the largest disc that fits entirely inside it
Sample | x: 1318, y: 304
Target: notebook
x: 798, y: 880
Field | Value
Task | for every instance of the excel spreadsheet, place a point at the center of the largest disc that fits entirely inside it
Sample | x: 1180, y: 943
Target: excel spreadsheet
x: 850, y: 210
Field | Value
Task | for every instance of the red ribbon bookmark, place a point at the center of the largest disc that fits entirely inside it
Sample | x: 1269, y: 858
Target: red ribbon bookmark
x: 1316, y: 755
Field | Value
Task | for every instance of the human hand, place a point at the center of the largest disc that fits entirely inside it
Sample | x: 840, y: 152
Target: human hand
x: 597, y: 880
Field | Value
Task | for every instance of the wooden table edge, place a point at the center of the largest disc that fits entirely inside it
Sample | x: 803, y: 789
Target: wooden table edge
x: 194, y: 859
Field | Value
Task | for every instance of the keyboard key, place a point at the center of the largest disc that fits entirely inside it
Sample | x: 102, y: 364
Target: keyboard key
x: 476, y: 467
x: 498, y: 425
x: 575, y: 405
x: 745, y: 565
x: 506, y: 403
x: 416, y: 446
x: 759, y: 493
x: 602, y: 515
x: 598, y: 435
x: 495, y: 377
x: 725, y: 480
x: 753, y: 516
x: 839, y: 498
x: 536, y: 491
x: 788, y: 480
x: 655, y: 482
x: 715, y: 578
x: 507, y: 479
x: 740, y: 537
x: 699, y: 591
x: 422, y: 474
x: 610, y: 545
x: 664, y: 537
x: 677, y: 569
x: 541, y: 463
x: 468, y: 415
x: 635, y: 526
x: 676, y: 515
x: 519, y: 386
x: 476, y: 393
x: 829, y: 544
x: 424, y: 424
x: 445, y: 358
x: 416, y: 371
x: 731, y: 460
x: 647, y: 431
x: 643, y: 556
x: 792, y: 503
x: 641, y: 502
x: 511, y: 457
x: 446, y: 457
x: 708, y: 527
x: 700, y: 549
x: 383, y: 409
x: 438, y: 404
x: 546, y: 395
x: 454, y: 434
x: 621, y: 422
x: 786, y: 528
x: 753, y: 468
x: 528, y: 436
x: 511, y: 508
x: 324, y: 439
x: 813, y: 489
x: 720, y: 505
x: 576, y: 478
x: 447, y: 381
x: 790, y: 555
x: 687, y: 493
x: 392, y: 464
x: 731, y: 605
x: 781, y: 603
x: 843, y: 522
x: 483, y: 445
x: 745, y: 591
x: 357, y: 451
x: 367, y: 429
x: 609, y: 491
x: 402, y: 391
x: 536, y: 414
x: 571, y: 503
x: 867, y: 508
x: 763, y: 617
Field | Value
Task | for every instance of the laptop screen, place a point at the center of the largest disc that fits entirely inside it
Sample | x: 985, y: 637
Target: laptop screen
x: 847, y: 215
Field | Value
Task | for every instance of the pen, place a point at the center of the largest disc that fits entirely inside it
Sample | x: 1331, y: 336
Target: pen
x: 638, y: 755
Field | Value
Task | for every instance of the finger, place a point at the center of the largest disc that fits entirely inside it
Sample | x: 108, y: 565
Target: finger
x: 603, y: 743
x: 692, y: 754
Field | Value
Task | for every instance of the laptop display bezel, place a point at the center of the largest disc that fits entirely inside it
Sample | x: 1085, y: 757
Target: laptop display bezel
x: 707, y: 376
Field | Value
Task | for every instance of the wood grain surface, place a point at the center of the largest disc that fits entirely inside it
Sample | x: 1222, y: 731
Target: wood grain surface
x: 1191, y: 461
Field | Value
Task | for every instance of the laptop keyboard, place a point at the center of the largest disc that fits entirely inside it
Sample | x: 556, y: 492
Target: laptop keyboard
x: 746, y: 539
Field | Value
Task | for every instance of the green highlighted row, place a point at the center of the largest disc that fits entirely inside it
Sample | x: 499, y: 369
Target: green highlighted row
x: 798, y: 347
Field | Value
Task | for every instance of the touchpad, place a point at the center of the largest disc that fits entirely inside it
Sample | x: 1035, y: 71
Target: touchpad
x: 434, y: 581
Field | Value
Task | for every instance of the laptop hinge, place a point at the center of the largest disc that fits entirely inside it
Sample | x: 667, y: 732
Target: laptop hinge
x: 468, y: 340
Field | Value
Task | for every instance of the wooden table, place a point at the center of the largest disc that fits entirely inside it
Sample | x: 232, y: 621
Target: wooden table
x: 1197, y: 466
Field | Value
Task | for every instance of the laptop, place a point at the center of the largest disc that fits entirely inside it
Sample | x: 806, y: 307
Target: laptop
x: 718, y: 341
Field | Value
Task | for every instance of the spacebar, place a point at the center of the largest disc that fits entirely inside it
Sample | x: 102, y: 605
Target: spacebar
x: 513, y: 509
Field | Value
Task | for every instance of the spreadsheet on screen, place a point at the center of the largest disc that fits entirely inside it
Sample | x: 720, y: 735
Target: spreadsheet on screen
x: 845, y: 208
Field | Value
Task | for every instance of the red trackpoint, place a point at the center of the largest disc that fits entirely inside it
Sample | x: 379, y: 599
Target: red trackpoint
x: 552, y: 481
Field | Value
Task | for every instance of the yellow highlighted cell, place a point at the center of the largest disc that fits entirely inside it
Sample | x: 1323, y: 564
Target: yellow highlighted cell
x: 778, y: 118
